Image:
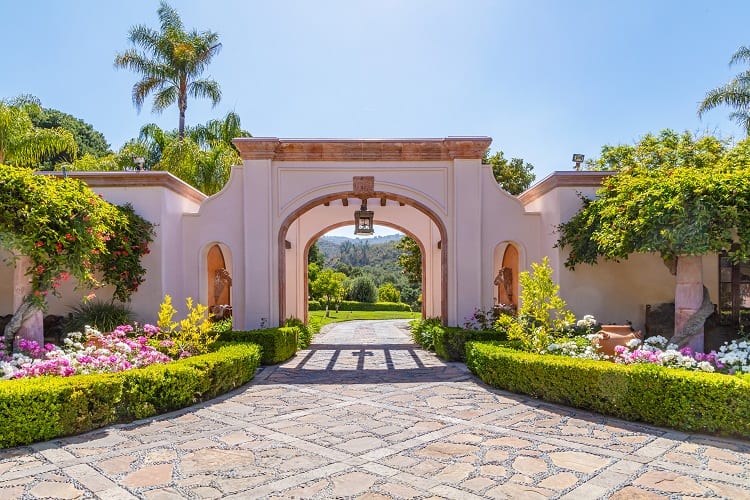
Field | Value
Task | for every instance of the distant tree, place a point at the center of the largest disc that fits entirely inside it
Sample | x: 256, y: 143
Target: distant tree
x: 363, y: 289
x: 329, y: 286
x: 735, y: 94
x: 171, y: 63
x: 88, y: 140
x: 24, y: 145
x: 515, y: 176
x: 388, y: 293
x: 315, y: 256
x: 410, y: 259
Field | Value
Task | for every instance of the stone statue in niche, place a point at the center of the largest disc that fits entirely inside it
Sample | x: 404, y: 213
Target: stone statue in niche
x: 504, y: 283
x: 222, y: 280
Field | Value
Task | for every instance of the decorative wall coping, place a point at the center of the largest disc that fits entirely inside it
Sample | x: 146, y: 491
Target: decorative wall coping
x: 563, y: 179
x: 136, y: 179
x: 449, y: 148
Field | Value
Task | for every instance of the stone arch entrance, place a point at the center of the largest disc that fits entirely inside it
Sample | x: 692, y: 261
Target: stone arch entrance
x: 437, y: 189
x: 434, y: 283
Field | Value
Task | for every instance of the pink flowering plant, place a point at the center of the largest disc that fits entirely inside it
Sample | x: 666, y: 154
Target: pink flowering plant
x: 125, y: 348
x: 658, y: 350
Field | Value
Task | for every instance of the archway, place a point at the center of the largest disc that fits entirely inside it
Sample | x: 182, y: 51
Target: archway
x: 430, y: 217
x: 336, y: 225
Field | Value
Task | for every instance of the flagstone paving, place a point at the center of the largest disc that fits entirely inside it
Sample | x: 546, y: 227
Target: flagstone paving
x: 366, y: 414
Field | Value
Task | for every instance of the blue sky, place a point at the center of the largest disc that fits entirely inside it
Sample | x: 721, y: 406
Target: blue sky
x: 544, y: 79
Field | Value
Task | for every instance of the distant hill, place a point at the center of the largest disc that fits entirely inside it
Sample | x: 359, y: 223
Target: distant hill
x: 373, y: 241
x: 357, y: 252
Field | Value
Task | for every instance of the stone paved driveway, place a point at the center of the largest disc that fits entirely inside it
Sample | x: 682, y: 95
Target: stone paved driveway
x: 366, y: 414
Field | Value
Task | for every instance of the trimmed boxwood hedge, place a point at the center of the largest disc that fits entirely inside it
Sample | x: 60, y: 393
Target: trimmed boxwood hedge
x: 350, y: 305
x: 450, y: 341
x: 278, y: 344
x: 680, y: 399
x: 43, y: 408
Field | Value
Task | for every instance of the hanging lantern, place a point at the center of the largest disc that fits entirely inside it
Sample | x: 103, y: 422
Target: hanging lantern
x: 363, y: 220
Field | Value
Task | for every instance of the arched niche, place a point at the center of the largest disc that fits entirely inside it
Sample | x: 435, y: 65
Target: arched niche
x: 507, y: 266
x: 218, y: 277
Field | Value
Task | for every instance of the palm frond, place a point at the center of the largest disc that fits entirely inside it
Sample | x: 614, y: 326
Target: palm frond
x: 731, y: 94
x: 205, y: 88
x: 143, y: 88
x: 165, y: 97
x: 742, y: 55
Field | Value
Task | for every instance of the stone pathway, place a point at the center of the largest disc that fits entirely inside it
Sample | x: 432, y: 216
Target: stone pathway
x: 365, y: 414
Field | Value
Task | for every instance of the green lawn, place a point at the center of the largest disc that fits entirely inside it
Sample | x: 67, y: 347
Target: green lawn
x: 319, y: 318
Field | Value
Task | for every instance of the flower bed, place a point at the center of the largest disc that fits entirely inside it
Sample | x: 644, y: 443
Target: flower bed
x: 684, y: 400
x: 41, y: 408
x: 85, y: 353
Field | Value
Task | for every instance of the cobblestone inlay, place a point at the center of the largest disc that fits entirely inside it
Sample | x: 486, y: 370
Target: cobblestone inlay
x: 364, y: 413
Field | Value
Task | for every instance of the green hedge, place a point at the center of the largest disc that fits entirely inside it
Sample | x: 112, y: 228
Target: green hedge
x: 277, y: 344
x: 680, y: 399
x: 350, y: 305
x: 43, y: 408
x: 450, y: 341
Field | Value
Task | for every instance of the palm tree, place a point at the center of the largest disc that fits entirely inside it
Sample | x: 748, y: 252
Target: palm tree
x: 219, y: 131
x: 735, y: 94
x: 24, y: 145
x: 171, y: 63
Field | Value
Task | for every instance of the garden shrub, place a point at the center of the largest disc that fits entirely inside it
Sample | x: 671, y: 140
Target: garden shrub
x: 304, y: 332
x: 542, y: 318
x: 194, y: 334
x: 363, y: 289
x: 43, y: 408
x: 450, y: 342
x: 683, y: 400
x: 277, y: 344
x: 350, y: 305
x: 100, y: 315
x: 315, y: 305
x: 423, y: 332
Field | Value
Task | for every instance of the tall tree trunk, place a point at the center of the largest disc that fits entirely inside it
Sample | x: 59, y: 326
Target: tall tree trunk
x: 26, y: 323
x: 689, y: 302
x: 28, y: 320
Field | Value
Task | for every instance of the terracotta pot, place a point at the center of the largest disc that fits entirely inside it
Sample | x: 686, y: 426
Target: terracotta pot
x: 614, y: 335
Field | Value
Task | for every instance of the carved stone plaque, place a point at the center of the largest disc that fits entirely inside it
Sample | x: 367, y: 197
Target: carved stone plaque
x: 364, y: 185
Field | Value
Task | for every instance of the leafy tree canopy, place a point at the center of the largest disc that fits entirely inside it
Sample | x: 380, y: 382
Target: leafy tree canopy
x: 675, y: 195
x: 410, y: 259
x: 329, y: 285
x: 23, y: 144
x: 88, y: 140
x: 363, y: 289
x: 514, y: 175
x: 65, y: 229
x: 667, y: 149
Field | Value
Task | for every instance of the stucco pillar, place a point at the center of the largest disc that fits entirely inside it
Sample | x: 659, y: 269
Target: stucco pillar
x: 33, y: 327
x: 261, y: 248
x: 688, y: 296
x: 467, y: 253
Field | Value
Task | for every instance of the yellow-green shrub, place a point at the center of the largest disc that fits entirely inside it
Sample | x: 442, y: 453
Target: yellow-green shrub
x: 193, y: 334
